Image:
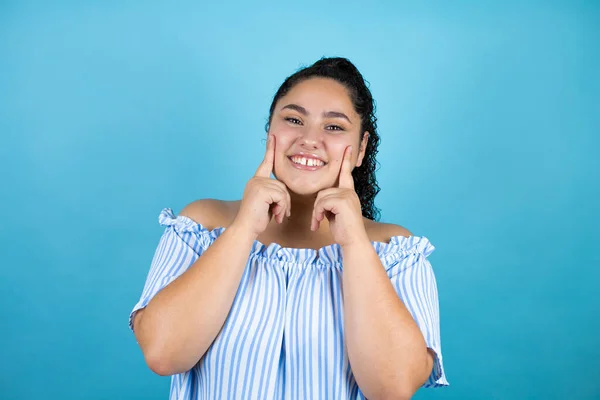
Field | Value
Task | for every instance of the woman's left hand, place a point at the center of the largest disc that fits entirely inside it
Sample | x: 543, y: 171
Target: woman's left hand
x: 341, y: 206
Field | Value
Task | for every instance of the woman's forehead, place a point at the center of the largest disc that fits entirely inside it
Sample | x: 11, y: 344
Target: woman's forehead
x: 319, y: 94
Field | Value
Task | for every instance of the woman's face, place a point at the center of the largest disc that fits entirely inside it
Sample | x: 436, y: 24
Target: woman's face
x: 313, y: 124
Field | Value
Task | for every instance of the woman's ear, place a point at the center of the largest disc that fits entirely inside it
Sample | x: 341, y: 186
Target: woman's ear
x: 363, y: 149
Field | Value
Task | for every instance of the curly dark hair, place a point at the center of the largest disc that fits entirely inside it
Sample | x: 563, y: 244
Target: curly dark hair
x: 344, y: 72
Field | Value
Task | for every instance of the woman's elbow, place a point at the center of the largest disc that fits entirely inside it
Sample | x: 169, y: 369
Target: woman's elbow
x: 160, y: 364
x: 163, y: 360
x: 158, y: 358
x: 403, y: 392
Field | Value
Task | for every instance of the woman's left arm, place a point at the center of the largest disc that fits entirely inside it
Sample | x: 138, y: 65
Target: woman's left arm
x: 387, y: 352
x: 386, y: 349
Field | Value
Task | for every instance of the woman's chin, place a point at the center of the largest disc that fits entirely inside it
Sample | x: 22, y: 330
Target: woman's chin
x: 304, y: 190
x: 303, y: 187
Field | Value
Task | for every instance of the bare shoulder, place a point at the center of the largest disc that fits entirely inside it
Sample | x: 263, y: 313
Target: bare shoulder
x: 383, y: 232
x: 211, y: 213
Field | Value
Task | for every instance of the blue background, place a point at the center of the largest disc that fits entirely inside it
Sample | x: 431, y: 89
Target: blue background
x: 489, y: 115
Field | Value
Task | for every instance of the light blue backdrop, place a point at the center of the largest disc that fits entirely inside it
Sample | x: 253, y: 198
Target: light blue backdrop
x: 489, y: 116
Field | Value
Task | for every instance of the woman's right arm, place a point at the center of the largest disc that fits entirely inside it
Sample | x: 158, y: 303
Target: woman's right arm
x: 179, y: 324
x: 182, y: 320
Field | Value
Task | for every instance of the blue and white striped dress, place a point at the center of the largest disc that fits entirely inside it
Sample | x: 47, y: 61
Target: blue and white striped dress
x: 284, y: 336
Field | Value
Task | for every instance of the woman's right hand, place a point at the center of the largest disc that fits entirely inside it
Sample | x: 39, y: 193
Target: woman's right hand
x: 264, y: 198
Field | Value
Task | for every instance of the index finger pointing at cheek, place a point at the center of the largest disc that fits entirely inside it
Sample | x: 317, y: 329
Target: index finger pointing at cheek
x: 266, y: 167
x: 346, y: 180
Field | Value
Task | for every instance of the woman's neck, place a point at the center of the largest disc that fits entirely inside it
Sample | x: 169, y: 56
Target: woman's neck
x: 298, y: 224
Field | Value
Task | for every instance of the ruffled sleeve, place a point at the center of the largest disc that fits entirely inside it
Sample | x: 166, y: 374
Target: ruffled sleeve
x: 411, y: 274
x: 182, y: 242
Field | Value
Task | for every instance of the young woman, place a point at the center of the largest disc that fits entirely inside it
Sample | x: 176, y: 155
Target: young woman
x: 295, y: 292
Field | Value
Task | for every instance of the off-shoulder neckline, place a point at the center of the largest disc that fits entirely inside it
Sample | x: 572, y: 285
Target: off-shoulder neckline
x: 330, y: 253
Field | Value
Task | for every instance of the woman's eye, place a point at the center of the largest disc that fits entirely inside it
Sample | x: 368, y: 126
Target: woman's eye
x: 293, y: 120
x: 334, y: 128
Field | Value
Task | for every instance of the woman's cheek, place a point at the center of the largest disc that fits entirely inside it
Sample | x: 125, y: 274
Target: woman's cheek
x: 283, y: 143
x: 336, y: 149
x: 283, y: 136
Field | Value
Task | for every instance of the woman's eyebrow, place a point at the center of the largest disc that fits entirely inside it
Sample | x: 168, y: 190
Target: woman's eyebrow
x: 327, y: 114
x: 336, y: 114
x: 296, y: 107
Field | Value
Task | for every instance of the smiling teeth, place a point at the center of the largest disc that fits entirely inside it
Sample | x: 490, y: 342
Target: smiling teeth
x: 310, y: 162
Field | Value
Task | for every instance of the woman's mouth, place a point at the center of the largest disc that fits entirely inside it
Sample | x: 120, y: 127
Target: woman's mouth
x: 306, y: 163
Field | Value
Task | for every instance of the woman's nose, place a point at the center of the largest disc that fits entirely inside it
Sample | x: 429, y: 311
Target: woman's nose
x: 312, y: 137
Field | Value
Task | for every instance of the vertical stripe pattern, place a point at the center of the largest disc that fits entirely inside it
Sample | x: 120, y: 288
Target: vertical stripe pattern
x: 283, y: 337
